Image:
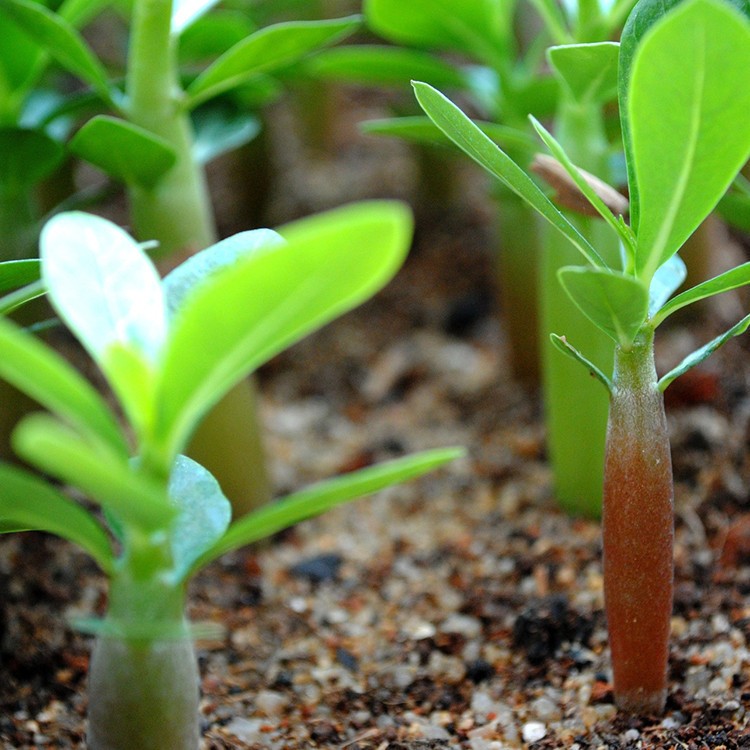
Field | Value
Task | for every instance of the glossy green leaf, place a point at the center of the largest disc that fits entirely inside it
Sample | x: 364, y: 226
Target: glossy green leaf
x: 380, y: 65
x: 220, y: 127
x: 103, y: 285
x: 418, y: 129
x: 212, y: 35
x: 724, y: 282
x: 60, y: 39
x: 468, y: 137
x: 124, y: 151
x: 203, y: 514
x: 320, y: 497
x: 19, y: 297
x: 186, y: 12
x: 331, y: 263
x: 197, y: 269
x: 92, y: 467
x: 266, y: 50
x: 615, y: 302
x: 561, y: 344
x: 28, y: 503
x: 44, y: 375
x: 683, y: 118
x: 703, y: 353
x: 588, y: 71
x: 667, y: 280
x: 26, y: 157
x: 17, y: 273
x: 479, y: 28
x: 734, y: 208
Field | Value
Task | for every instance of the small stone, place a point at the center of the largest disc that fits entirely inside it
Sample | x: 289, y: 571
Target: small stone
x: 631, y: 735
x: 270, y: 702
x: 479, y: 670
x: 533, y: 731
x: 318, y: 569
x: 246, y: 730
x: 544, y: 709
x: 464, y: 625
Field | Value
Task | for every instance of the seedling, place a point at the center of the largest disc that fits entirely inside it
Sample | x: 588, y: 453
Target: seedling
x: 684, y: 142
x: 169, y: 351
x: 148, y: 142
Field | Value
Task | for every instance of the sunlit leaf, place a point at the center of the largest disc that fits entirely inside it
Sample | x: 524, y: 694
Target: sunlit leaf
x: 589, y: 71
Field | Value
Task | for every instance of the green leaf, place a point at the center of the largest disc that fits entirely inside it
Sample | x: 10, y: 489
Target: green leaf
x: 667, y: 280
x: 16, y: 299
x: 379, y: 65
x: 561, y: 344
x: 44, y: 375
x: 79, y: 12
x: 18, y: 273
x: 186, y: 12
x: 124, y: 151
x: 203, y: 514
x: 614, y: 301
x: 588, y: 71
x: 683, y: 122
x: 61, y: 40
x: 724, y: 282
x: 220, y: 127
x: 583, y: 185
x: 330, y: 263
x: 27, y: 503
x: 108, y: 292
x: 703, y: 353
x: 480, y: 28
x: 212, y: 35
x: 468, y: 137
x: 320, y: 497
x: 26, y: 157
x: 268, y: 49
x: 92, y: 467
x: 197, y: 269
x: 103, y: 285
x: 420, y: 129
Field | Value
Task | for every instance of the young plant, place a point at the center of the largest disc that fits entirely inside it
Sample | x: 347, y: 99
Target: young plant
x: 684, y: 93
x: 169, y: 351
x: 149, y: 144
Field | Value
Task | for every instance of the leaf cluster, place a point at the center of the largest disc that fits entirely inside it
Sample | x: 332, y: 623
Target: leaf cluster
x: 684, y: 144
x: 169, y: 350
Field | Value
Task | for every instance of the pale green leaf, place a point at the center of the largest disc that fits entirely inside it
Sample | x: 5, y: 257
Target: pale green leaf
x: 203, y: 514
x: 92, y: 467
x: 703, y: 353
x: 186, y: 12
x: 684, y: 117
x: 44, y: 375
x: 266, y: 50
x: 732, y: 279
x: 197, y: 269
x: 330, y: 263
x: 320, y: 497
x: 589, y: 71
x: 28, y: 503
x: 468, y: 137
x: 561, y: 344
x: 615, y: 302
x: 124, y: 151
x: 667, y: 280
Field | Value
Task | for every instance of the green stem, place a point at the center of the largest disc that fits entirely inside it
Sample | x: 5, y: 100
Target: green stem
x: 637, y: 531
x: 575, y: 404
x: 177, y: 212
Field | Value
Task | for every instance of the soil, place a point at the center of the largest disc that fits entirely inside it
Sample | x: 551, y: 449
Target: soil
x: 462, y: 610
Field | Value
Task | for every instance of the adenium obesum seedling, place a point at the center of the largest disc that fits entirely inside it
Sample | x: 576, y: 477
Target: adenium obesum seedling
x: 684, y: 93
x: 169, y: 350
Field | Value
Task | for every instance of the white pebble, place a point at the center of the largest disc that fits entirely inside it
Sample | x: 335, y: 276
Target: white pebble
x: 246, y: 730
x: 270, y: 702
x: 464, y: 625
x: 533, y: 731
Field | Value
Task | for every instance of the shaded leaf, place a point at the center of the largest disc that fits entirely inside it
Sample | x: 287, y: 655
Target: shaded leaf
x: 124, y: 151
x: 589, y: 71
x: 28, y: 503
x: 320, y: 497
x: 18, y: 273
x: 561, y: 344
x: 26, y: 157
x: 615, y: 302
x: 221, y: 127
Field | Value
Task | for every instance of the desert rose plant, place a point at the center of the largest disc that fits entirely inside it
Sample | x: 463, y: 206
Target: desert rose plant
x: 169, y: 350
x: 684, y: 95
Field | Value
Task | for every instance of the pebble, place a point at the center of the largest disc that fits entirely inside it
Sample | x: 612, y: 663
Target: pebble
x: 247, y: 730
x: 270, y: 702
x: 465, y: 625
x: 544, y: 709
x: 533, y: 731
x: 631, y: 735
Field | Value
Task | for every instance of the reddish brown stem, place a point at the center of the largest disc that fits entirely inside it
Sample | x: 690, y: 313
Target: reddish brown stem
x: 637, y: 527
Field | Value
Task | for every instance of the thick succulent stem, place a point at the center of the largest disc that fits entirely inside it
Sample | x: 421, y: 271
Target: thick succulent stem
x: 637, y: 528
